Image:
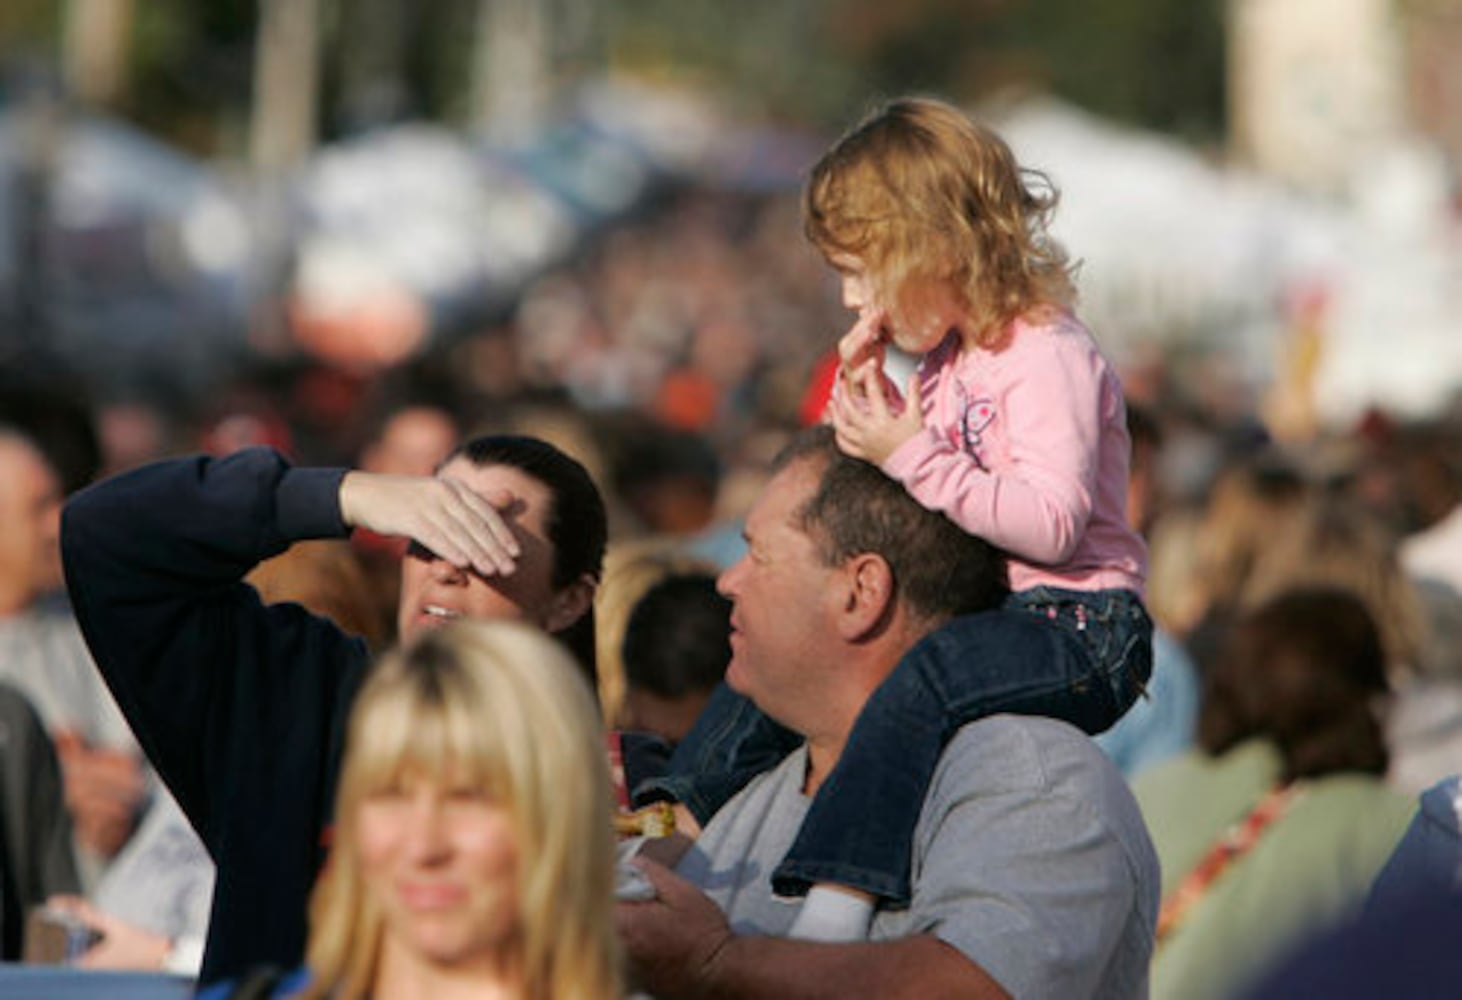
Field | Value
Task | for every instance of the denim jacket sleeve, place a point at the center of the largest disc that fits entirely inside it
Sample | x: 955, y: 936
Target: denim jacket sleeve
x: 731, y: 743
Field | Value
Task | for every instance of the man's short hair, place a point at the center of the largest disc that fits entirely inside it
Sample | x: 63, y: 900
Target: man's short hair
x: 678, y: 639
x: 939, y: 570
x: 577, y: 525
x: 53, y: 414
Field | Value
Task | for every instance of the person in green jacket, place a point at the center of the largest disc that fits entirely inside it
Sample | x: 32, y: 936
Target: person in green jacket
x: 1276, y: 828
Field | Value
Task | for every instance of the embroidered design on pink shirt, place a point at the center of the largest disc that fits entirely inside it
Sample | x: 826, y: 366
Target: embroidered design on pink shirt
x: 974, y: 416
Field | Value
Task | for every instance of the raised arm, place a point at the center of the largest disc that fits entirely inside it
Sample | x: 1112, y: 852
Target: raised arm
x: 208, y: 676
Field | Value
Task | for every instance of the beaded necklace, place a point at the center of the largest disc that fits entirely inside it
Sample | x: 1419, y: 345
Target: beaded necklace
x: 1231, y: 845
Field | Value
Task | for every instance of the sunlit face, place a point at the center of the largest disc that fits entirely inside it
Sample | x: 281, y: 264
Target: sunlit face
x: 434, y: 592
x: 440, y: 859
x: 920, y: 326
x: 857, y: 286
x: 781, y: 621
x: 30, y: 517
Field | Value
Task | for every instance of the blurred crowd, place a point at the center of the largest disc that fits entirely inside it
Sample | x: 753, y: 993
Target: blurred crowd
x: 1307, y: 592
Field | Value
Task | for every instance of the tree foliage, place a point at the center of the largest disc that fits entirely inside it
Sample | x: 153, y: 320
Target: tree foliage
x: 1156, y: 63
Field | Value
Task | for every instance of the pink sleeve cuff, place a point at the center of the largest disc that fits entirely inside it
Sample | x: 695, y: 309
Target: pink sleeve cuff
x: 907, y: 457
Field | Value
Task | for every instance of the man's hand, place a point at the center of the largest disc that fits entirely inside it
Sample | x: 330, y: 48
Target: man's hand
x: 122, y: 945
x: 445, y: 516
x: 671, y: 940
x: 679, y: 945
x: 104, y: 790
x: 865, y: 420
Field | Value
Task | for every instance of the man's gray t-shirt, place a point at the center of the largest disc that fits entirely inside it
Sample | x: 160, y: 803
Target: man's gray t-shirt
x: 1030, y: 857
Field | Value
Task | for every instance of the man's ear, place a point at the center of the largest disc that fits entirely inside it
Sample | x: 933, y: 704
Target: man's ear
x: 569, y: 604
x: 869, y: 595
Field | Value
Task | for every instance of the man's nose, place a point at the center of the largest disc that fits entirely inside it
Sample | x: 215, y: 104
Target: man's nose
x: 726, y: 582
x: 445, y: 573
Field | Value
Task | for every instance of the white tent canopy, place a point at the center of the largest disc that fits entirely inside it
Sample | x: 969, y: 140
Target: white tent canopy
x: 1177, y: 250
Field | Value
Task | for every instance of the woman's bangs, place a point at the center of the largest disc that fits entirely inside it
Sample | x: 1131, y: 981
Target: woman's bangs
x: 431, y: 736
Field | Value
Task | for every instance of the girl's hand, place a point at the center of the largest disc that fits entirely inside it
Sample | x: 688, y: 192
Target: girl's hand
x: 864, y: 342
x: 864, y: 419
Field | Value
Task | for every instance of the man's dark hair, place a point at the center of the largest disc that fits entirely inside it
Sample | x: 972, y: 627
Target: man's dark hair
x: 1305, y: 672
x: 939, y: 570
x: 678, y: 638
x: 577, y: 525
x: 56, y: 417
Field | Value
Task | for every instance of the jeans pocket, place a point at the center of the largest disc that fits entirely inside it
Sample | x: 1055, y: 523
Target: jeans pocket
x: 1111, y: 625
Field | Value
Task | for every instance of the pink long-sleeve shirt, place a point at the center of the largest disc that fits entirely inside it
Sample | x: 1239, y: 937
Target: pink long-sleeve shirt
x: 1027, y: 447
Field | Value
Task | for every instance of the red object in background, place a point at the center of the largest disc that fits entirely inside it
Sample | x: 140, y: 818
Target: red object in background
x: 329, y: 397
x: 616, y: 769
x: 819, y: 389
x: 244, y: 429
x: 391, y: 546
x: 688, y: 400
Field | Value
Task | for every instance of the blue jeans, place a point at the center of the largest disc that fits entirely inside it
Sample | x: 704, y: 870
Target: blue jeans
x: 1082, y: 657
x: 731, y: 742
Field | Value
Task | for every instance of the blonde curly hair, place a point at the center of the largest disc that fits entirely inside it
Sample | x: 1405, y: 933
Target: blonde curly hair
x: 922, y: 195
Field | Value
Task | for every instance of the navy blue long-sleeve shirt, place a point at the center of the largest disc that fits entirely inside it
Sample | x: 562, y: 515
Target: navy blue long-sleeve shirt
x: 240, y: 706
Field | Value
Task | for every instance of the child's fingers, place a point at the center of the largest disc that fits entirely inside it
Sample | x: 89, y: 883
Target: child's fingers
x: 852, y: 385
x: 856, y: 342
x: 912, y: 395
x: 870, y: 378
x: 840, y: 403
x: 845, y: 421
x: 864, y: 340
x: 848, y: 444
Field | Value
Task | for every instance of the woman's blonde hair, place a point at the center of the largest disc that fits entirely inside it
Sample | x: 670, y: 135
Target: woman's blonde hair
x: 1334, y: 541
x: 1252, y: 503
x: 503, y: 706
x: 922, y: 194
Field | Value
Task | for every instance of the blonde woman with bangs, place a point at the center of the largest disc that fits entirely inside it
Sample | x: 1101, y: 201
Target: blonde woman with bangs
x: 1013, y: 426
x: 473, y: 849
